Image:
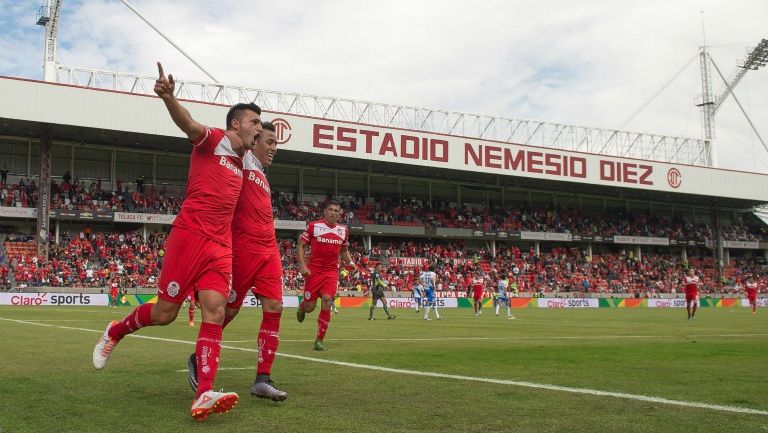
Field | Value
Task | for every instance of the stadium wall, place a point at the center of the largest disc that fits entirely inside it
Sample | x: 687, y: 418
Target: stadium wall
x: 117, y: 111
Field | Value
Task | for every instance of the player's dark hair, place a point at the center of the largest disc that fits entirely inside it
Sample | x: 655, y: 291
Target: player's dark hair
x: 269, y: 126
x: 332, y: 202
x: 237, y: 109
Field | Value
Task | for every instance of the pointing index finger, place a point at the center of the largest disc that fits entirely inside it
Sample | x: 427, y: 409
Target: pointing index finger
x: 160, y: 69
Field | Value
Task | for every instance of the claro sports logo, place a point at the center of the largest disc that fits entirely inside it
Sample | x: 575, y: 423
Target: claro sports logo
x: 46, y: 299
x: 282, y: 130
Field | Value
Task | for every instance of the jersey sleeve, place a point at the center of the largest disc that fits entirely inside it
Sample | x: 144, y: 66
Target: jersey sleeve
x: 346, y: 238
x: 208, y: 140
x: 306, y: 235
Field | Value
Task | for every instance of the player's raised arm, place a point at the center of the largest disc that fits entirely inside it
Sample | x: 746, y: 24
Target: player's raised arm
x: 164, y: 88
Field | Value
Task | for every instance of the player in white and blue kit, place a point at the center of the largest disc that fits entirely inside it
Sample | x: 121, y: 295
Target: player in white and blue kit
x: 429, y: 280
x: 502, y: 296
x: 417, y: 292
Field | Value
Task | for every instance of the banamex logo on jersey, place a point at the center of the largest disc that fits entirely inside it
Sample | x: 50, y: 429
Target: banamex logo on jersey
x: 282, y: 130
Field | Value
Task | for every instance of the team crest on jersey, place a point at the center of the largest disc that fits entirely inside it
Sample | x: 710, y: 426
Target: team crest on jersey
x: 173, y: 289
x: 307, y: 295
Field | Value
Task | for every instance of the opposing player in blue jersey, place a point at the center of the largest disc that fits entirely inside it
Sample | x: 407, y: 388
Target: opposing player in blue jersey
x: 429, y: 280
x: 502, y: 296
x: 416, y: 293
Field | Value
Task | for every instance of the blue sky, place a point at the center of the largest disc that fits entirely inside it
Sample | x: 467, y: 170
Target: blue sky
x: 590, y: 62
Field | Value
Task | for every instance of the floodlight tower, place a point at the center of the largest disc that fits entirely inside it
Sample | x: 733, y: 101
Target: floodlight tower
x: 710, y: 103
x: 48, y: 16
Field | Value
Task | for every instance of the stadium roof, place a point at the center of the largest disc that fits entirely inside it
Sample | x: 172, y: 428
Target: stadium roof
x: 84, y: 115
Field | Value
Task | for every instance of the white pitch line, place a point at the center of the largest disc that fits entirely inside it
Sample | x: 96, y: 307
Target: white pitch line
x: 636, y: 397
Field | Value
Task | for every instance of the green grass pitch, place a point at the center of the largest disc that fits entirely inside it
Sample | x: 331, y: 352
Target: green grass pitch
x: 402, y: 375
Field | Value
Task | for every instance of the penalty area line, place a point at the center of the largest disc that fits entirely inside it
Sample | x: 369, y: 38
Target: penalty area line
x: 533, y: 385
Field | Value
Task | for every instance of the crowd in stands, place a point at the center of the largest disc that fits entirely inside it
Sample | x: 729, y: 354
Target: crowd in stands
x: 76, y: 194
x: 88, y: 259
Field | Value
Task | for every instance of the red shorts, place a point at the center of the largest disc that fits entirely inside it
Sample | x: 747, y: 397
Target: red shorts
x: 193, y: 263
x: 692, y: 297
x: 320, y: 283
x: 477, y: 294
x: 752, y: 299
x: 261, y: 273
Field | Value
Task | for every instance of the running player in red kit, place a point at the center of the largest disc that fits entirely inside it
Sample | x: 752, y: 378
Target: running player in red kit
x: 256, y: 262
x: 478, y: 287
x: 199, y: 249
x: 751, y: 289
x: 327, y: 240
x: 691, y: 286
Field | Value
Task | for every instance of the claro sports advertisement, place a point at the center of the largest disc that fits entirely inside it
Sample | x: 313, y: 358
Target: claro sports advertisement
x: 97, y: 299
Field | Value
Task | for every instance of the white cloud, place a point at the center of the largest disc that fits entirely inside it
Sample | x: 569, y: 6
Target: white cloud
x: 587, y: 63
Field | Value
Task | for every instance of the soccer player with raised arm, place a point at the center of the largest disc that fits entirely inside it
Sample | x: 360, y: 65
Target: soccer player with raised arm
x: 428, y: 279
x: 691, y: 287
x: 378, y: 286
x: 199, y: 249
x: 256, y: 263
x: 327, y: 240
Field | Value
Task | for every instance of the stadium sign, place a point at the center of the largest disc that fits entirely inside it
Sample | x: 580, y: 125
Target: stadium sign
x: 144, y: 218
x: 18, y: 212
x: 750, y: 245
x: 290, y: 225
x: 761, y: 302
x: 53, y: 299
x: 345, y: 139
x: 640, y: 240
x: 76, y: 215
x: 544, y: 236
x: 568, y: 303
x: 666, y: 303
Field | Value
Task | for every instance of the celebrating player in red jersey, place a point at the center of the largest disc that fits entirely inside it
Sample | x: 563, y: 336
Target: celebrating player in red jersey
x: 327, y: 240
x: 199, y: 249
x: 256, y: 263
x: 751, y: 289
x: 691, y: 286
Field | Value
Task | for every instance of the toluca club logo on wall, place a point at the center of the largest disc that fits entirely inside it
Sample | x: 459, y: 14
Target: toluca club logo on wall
x: 282, y: 130
x: 674, y: 178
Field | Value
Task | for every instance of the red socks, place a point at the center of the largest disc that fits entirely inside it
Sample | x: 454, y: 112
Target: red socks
x: 207, y: 351
x: 323, y: 319
x: 191, y: 311
x: 269, y: 338
x: 139, y: 318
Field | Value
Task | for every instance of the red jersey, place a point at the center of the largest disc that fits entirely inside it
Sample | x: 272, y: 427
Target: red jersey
x: 213, y: 186
x: 253, y: 226
x: 326, y: 243
x: 691, y: 285
x: 478, y: 283
x: 752, y: 290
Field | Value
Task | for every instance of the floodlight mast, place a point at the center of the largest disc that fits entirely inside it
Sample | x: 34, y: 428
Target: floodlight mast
x: 709, y: 103
x: 48, y: 16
